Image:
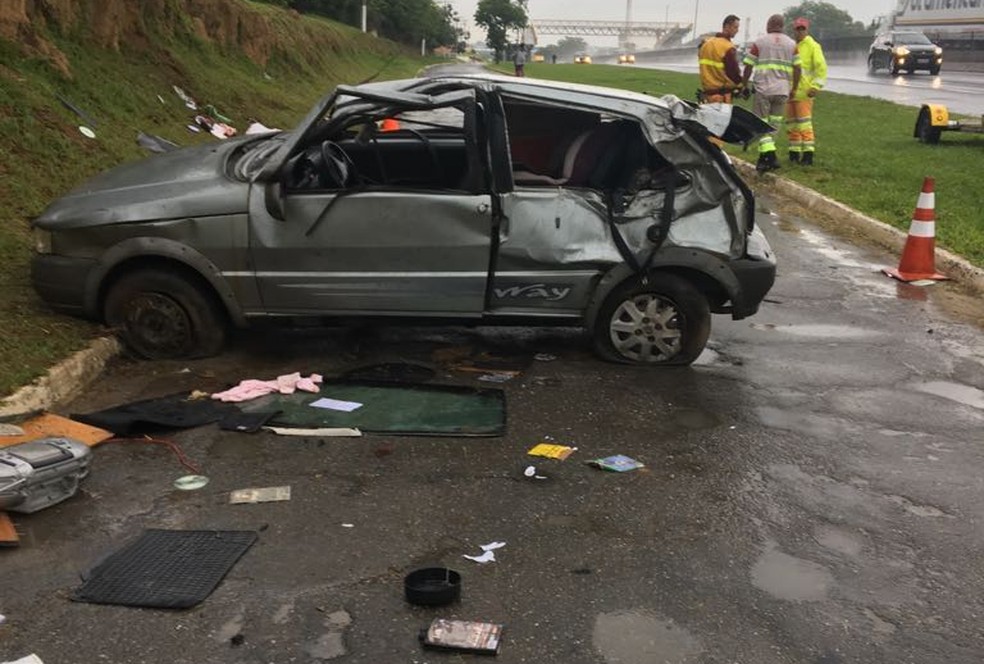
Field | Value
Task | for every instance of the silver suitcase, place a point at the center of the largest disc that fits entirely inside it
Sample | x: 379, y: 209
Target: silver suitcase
x: 41, y: 473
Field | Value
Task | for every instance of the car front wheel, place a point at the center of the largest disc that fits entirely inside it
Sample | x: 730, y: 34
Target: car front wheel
x: 665, y: 320
x: 872, y: 68
x: 164, y: 315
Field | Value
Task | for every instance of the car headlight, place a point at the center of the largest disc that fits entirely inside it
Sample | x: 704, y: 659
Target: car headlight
x: 42, y: 241
x: 901, y: 51
x: 938, y: 50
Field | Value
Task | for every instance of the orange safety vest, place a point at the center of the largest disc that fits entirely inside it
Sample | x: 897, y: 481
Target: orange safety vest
x: 710, y: 57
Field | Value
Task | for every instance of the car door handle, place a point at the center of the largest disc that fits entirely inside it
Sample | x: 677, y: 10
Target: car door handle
x: 483, y: 208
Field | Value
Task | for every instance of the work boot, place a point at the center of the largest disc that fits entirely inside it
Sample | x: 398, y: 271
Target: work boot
x: 794, y: 157
x: 807, y: 158
x: 762, y: 165
x: 774, y: 164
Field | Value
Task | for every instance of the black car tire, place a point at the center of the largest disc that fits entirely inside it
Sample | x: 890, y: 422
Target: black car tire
x: 934, y: 71
x: 894, y: 69
x: 165, y: 315
x: 664, y: 321
x: 872, y: 67
x: 925, y: 131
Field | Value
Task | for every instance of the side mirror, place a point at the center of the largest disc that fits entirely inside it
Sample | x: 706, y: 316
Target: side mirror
x: 273, y: 197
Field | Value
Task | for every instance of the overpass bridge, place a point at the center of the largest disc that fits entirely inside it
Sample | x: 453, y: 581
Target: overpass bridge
x: 631, y: 35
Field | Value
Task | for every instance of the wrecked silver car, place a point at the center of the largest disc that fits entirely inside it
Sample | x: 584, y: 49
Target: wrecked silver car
x: 481, y: 199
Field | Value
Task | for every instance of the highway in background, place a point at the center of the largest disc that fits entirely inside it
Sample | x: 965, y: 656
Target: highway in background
x: 960, y: 91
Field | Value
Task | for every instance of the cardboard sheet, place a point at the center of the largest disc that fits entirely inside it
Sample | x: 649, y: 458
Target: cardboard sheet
x: 51, y: 425
x: 8, y: 534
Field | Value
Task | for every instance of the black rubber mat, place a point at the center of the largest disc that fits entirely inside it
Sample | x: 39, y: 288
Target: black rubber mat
x: 175, y: 411
x: 166, y: 569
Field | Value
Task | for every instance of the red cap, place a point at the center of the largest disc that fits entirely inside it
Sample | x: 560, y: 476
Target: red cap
x: 801, y: 23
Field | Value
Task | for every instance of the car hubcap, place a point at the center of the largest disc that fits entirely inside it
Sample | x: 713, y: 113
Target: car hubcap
x: 647, y: 329
x: 157, y: 325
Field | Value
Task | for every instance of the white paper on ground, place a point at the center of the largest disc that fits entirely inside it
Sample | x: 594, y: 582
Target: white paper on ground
x: 489, y: 555
x: 30, y: 659
x: 269, y: 494
x: 336, y: 404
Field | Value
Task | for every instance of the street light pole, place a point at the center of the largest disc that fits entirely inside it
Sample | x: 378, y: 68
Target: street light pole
x: 696, y: 7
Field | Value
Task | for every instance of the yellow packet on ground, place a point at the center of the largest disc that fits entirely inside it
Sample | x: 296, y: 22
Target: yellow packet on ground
x: 551, y: 451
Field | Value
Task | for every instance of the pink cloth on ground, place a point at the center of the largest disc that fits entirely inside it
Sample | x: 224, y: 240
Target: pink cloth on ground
x: 252, y: 388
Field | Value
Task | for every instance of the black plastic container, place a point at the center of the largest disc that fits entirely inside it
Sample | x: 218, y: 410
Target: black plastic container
x: 432, y: 586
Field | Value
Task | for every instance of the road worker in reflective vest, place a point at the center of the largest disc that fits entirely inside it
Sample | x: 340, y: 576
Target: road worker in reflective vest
x: 799, y: 109
x: 775, y: 61
x: 720, y: 72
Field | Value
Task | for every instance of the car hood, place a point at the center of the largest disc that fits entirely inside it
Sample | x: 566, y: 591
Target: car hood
x: 919, y: 48
x: 190, y: 182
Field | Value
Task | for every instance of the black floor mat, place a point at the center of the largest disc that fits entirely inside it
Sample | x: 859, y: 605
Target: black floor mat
x: 175, y: 411
x: 166, y: 569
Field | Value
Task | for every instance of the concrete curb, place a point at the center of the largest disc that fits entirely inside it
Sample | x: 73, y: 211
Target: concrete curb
x: 954, y: 266
x: 63, y: 381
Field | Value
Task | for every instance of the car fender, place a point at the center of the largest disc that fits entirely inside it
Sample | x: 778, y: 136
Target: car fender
x: 148, y: 248
x: 668, y: 259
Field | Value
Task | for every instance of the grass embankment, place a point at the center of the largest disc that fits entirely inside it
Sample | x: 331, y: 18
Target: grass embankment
x: 866, y: 155
x: 43, y: 155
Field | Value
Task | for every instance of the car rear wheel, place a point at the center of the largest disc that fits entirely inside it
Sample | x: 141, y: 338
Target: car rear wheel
x: 163, y: 315
x: 872, y: 67
x: 664, y: 321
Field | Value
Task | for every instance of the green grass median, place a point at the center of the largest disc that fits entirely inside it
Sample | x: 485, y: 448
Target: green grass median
x: 866, y: 155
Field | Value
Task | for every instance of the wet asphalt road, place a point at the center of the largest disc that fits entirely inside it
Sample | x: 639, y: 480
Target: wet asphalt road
x: 812, y: 494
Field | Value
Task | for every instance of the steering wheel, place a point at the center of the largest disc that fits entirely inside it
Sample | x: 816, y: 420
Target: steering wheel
x: 334, y: 165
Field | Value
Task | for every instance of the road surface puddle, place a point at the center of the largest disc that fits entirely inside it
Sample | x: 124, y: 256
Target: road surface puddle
x: 639, y: 637
x: 786, y: 577
x: 823, y: 331
x: 968, y: 396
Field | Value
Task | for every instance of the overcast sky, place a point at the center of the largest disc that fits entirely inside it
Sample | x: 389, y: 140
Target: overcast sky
x: 709, y: 13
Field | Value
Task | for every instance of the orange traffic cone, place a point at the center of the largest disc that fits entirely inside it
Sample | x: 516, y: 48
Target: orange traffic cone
x: 919, y: 254
x: 389, y: 124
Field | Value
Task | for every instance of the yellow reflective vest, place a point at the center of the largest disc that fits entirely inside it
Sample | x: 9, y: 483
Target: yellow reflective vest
x: 813, y: 66
x: 713, y: 73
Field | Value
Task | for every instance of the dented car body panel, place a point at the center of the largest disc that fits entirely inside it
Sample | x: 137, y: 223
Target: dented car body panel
x: 496, y: 199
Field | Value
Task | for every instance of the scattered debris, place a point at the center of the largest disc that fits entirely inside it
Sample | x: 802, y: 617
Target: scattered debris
x: 252, y: 388
x: 49, y: 425
x: 190, y: 482
x: 10, y: 430
x: 552, y: 451
x: 618, y: 463
x: 544, y: 357
x: 29, y: 659
x: 166, y: 569
x: 348, y: 525
x: 195, y: 129
x: 336, y: 404
x: 176, y: 411
x: 256, y: 127
x: 85, y: 131
x: 156, y: 144
x: 247, y: 422
x: 323, y: 432
x: 78, y: 111
x: 270, y: 494
x: 531, y: 473
x: 41, y: 473
x: 188, y: 101
x: 488, y: 554
x: 8, y: 534
x: 497, y: 377
x: 475, y: 637
x: 432, y: 586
